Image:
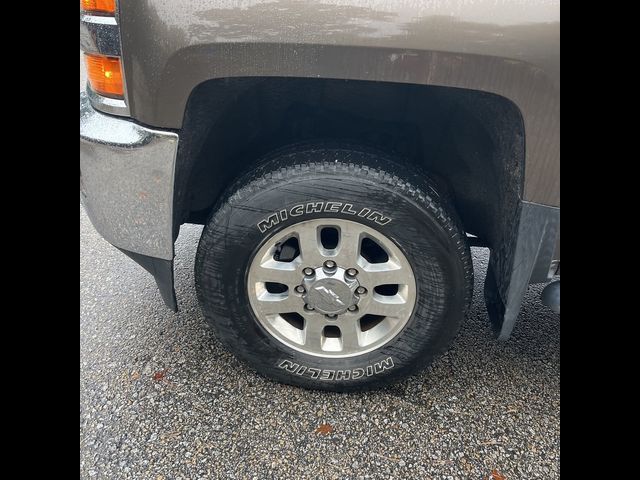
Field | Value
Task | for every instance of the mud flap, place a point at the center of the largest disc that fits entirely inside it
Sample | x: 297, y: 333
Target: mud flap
x: 162, y: 271
x: 525, y: 259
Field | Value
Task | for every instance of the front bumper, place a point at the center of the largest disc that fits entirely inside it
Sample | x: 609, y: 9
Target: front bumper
x: 126, y: 186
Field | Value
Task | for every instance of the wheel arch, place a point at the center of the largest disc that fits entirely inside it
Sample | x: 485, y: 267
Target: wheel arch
x: 485, y: 136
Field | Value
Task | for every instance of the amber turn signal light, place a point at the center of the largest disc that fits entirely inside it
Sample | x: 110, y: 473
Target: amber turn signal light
x: 101, y: 6
x: 105, y: 75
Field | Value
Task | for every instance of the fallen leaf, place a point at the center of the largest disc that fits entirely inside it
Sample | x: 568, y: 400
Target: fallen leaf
x: 135, y: 375
x: 170, y: 436
x: 393, y: 459
x: 159, y: 375
x: 324, y: 429
x: 497, y: 476
x: 491, y: 442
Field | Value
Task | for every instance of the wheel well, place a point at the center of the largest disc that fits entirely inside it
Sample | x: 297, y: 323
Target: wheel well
x: 472, y: 140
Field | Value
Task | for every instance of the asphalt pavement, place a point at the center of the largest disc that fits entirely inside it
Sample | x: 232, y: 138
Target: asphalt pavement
x: 161, y: 399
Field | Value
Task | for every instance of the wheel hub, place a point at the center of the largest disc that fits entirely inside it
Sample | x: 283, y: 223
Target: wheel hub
x: 331, y: 293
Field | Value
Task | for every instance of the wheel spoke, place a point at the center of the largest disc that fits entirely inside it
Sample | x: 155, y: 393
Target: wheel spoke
x: 386, y: 306
x: 270, y: 303
x: 309, y: 243
x: 313, y: 327
x: 351, y: 333
x: 279, y: 272
x: 349, y: 246
x: 388, y: 273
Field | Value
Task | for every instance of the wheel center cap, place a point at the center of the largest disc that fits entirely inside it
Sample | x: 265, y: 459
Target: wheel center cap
x: 330, y: 295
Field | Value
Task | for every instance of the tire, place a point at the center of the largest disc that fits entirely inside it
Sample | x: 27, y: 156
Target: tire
x: 397, y: 206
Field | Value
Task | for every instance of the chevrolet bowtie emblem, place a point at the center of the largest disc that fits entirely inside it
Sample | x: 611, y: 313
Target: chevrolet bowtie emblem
x: 329, y: 295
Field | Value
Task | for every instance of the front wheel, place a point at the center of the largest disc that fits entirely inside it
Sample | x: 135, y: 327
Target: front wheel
x: 334, y: 268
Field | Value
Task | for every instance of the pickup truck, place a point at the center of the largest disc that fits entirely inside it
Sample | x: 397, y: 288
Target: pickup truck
x: 343, y: 157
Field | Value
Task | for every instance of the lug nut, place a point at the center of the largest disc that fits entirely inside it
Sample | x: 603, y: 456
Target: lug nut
x: 300, y: 289
x: 332, y: 316
x: 308, y: 272
x: 361, y: 290
x: 353, y: 308
x: 352, y: 272
x: 308, y: 308
x: 330, y: 265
